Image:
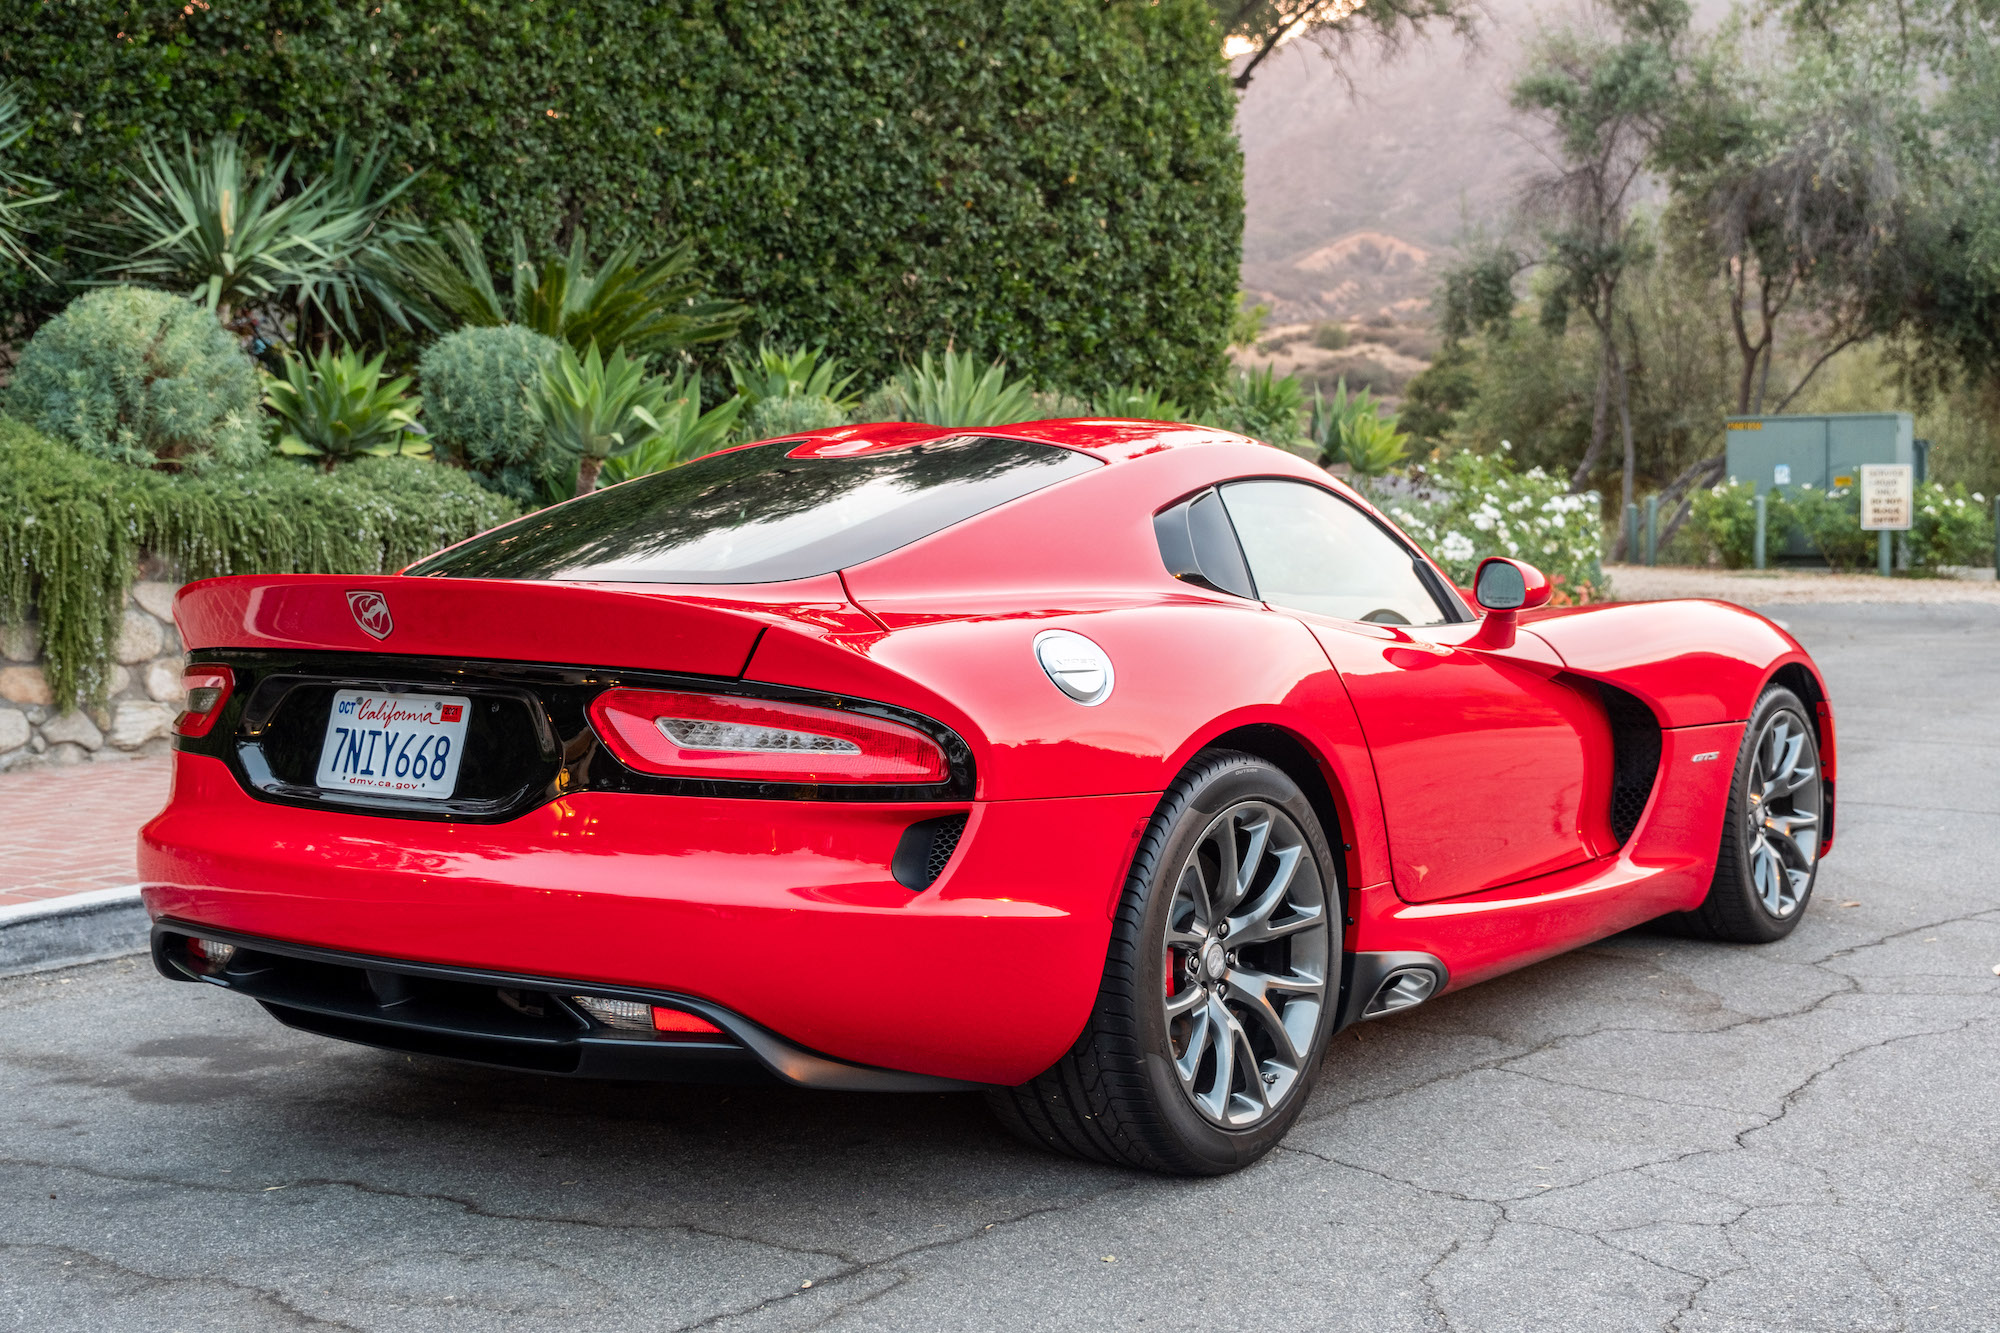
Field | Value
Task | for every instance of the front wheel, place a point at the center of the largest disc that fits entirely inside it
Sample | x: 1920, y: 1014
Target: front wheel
x: 1769, y: 857
x: 1218, y: 991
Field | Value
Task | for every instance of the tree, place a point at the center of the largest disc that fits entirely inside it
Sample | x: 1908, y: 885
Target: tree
x: 1332, y: 25
x: 1604, y: 100
x: 1795, y: 180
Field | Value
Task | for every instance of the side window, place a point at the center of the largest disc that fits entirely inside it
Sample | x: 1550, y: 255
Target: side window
x: 1198, y: 547
x: 1309, y: 550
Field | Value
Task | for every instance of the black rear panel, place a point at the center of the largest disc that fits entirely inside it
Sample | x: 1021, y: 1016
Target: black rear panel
x: 528, y: 738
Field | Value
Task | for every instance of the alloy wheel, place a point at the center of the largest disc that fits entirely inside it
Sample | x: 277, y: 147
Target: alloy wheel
x: 1781, y: 814
x: 1245, y: 962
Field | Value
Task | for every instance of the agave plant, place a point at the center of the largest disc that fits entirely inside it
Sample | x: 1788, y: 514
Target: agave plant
x: 596, y: 409
x: 805, y: 372
x: 208, y: 222
x: 1353, y: 429
x: 333, y: 406
x: 647, y: 307
x: 685, y: 432
x: 1262, y: 405
x: 1134, y: 403
x: 956, y: 391
x: 16, y: 187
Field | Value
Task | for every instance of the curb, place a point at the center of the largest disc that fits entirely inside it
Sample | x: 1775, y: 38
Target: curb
x: 78, y: 928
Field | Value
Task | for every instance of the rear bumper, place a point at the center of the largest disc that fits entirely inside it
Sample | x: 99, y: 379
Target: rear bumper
x: 782, y: 915
x: 458, y: 1013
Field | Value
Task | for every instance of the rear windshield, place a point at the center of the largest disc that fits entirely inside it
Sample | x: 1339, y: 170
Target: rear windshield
x: 758, y: 515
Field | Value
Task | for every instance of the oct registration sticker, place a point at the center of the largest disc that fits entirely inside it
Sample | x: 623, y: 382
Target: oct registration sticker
x: 394, y: 744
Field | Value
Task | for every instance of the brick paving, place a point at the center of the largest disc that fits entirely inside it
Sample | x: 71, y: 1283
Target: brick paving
x: 70, y: 830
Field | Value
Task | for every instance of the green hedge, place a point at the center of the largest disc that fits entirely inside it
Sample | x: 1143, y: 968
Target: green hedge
x: 1055, y: 182
x: 72, y: 529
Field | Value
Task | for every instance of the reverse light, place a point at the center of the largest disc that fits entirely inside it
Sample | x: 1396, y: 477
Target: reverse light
x: 208, y: 687
x: 209, y: 956
x: 723, y: 736
x: 625, y: 1015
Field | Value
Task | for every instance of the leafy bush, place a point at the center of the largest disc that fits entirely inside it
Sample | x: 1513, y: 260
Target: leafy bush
x: 1330, y: 336
x: 685, y: 431
x: 647, y: 306
x: 1134, y: 403
x: 592, y: 409
x: 1352, y: 429
x: 955, y: 391
x: 772, y: 417
x: 1057, y: 182
x: 475, y: 384
x: 1471, y: 506
x: 332, y: 405
x: 211, y: 225
x: 79, y: 524
x: 1725, y: 518
x: 1952, y: 527
x: 805, y: 372
x: 1260, y: 404
x: 17, y: 188
x: 140, y: 377
x: 1831, y: 521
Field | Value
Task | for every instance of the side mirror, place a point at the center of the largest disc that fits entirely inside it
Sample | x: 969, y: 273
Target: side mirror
x: 1504, y: 588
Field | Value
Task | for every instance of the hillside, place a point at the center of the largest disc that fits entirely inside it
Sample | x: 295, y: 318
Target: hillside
x: 1353, y: 191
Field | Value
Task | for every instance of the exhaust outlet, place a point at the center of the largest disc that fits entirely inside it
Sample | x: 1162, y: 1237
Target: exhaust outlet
x: 1388, y: 983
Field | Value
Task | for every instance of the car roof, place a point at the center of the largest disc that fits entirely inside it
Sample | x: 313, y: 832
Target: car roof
x: 1110, y: 439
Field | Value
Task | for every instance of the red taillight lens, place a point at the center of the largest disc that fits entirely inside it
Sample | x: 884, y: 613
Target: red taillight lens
x: 679, y: 1020
x: 208, y: 690
x: 760, y: 740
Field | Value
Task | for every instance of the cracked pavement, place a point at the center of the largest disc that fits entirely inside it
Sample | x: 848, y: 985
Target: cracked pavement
x: 1651, y: 1133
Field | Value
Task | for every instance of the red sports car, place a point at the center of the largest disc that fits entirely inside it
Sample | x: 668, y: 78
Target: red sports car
x: 1108, y: 767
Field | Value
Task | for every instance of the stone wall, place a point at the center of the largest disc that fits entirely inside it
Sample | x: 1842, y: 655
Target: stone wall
x: 145, y: 691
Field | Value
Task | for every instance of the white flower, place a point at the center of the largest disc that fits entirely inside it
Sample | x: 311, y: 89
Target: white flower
x: 1456, y: 546
x: 1483, y: 521
x: 1507, y: 444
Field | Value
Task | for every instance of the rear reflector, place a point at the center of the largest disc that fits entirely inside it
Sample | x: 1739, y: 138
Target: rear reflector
x: 760, y: 740
x: 208, y: 688
x: 679, y: 1020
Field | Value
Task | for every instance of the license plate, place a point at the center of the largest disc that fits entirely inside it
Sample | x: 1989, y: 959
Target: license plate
x: 394, y: 744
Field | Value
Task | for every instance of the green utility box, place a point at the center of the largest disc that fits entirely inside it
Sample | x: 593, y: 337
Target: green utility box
x: 1818, y: 451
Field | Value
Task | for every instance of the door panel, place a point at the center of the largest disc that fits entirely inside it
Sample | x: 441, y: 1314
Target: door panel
x: 1491, y: 768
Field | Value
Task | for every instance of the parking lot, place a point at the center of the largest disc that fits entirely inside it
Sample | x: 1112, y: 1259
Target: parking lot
x: 1653, y: 1133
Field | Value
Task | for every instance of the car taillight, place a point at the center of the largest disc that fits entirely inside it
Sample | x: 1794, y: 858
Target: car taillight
x: 722, y: 736
x: 208, y: 690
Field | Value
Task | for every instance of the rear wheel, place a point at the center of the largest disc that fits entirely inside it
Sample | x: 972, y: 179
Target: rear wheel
x: 1218, y: 991
x: 1770, y: 838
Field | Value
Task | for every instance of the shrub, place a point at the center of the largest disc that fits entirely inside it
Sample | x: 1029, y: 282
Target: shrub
x: 142, y: 377
x: 805, y: 372
x: 212, y: 225
x: 1471, y: 506
x: 1724, y: 517
x: 1330, y: 336
x: 685, y: 432
x: 1831, y: 521
x: 475, y: 384
x: 1952, y: 527
x: 1135, y: 403
x: 70, y: 556
x: 955, y: 391
x: 1354, y: 430
x: 643, y: 305
x: 333, y: 406
x: 772, y: 417
x: 1260, y: 404
x: 1057, y: 182
x: 592, y: 409
x: 17, y: 189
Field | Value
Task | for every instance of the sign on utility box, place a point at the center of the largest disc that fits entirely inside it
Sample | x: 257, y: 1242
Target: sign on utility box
x: 1886, y: 497
x: 1886, y: 505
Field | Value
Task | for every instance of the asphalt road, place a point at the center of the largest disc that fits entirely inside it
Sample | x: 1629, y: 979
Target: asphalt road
x: 1651, y: 1133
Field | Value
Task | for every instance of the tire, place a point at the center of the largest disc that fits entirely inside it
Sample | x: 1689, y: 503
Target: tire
x: 1769, y: 860
x: 1214, y: 1085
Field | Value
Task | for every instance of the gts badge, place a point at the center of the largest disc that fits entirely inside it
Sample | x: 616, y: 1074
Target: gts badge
x: 1704, y: 758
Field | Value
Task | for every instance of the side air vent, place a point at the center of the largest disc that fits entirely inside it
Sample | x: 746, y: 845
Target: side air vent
x: 925, y: 850
x: 1635, y: 748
